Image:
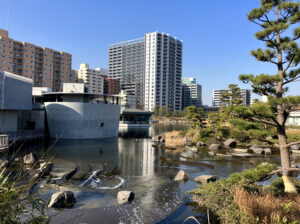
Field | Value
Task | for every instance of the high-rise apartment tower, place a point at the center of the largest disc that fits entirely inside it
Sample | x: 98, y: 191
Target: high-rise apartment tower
x: 150, y: 68
x: 45, y: 66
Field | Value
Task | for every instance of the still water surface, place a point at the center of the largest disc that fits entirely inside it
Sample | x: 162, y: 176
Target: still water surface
x: 129, y: 162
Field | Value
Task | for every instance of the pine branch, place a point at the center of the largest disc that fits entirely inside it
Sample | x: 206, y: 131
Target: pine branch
x: 262, y: 121
x: 293, y: 143
x: 291, y: 80
x: 289, y: 64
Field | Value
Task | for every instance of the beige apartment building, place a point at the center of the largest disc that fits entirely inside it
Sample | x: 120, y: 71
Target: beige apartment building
x: 45, y: 66
x: 93, y: 78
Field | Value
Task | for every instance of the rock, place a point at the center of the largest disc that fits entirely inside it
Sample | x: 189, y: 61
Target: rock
x: 230, y: 143
x: 185, y: 141
x: 242, y: 154
x: 215, y: 147
x: 45, y: 168
x: 241, y: 150
x: 254, y: 147
x: 294, y: 147
x: 200, y: 144
x: 4, y: 164
x: 192, y: 149
x: 30, y: 158
x: 18, y: 160
x: 181, y: 175
x: 63, y: 199
x: 258, y: 151
x: 268, y: 151
x: 223, y: 155
x: 124, y: 197
x: 63, y: 169
x: 204, y: 179
x: 212, y: 153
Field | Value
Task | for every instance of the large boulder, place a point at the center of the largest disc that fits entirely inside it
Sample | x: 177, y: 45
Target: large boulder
x: 200, y: 144
x: 215, y: 147
x: 45, y: 168
x: 124, y: 197
x: 181, y: 175
x: 192, y: 149
x: 294, y: 147
x: 30, y: 158
x: 268, y: 151
x: 63, y: 199
x: 204, y: 179
x: 230, y: 143
x: 256, y: 149
x: 159, y: 139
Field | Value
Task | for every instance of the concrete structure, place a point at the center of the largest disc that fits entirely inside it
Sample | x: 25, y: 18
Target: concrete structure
x: 74, y: 88
x: 45, y: 66
x: 15, y: 92
x: 39, y: 91
x: 92, y: 78
x: 191, y: 93
x: 246, y: 97
x: 150, y: 68
x: 82, y: 116
x: 294, y: 118
x: 17, y: 120
x: 128, y: 100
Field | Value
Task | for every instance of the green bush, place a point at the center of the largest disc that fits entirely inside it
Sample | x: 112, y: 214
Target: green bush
x: 217, y: 196
x: 276, y: 187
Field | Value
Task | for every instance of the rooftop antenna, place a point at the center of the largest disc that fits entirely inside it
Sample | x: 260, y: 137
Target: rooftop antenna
x: 8, y: 17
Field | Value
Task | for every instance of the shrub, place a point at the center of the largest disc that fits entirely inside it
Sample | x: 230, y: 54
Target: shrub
x: 276, y: 187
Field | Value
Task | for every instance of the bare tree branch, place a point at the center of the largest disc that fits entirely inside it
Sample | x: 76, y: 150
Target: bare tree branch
x: 289, y: 64
x: 292, y: 143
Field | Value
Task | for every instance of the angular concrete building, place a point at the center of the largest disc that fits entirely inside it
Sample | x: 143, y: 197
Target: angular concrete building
x: 46, y: 67
x: 150, y: 68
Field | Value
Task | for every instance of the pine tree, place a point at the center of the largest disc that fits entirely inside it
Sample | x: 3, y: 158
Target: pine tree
x: 232, y: 95
x: 156, y: 110
x: 277, y: 18
x: 195, y: 116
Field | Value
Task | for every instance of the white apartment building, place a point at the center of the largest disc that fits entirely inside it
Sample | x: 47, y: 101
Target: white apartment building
x: 92, y: 78
x: 245, y: 93
x: 150, y: 68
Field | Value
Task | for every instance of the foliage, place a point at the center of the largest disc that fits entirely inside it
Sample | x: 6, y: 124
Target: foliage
x: 156, y: 110
x: 276, y: 187
x: 219, y: 196
x: 15, y: 201
x: 232, y: 95
x: 195, y: 116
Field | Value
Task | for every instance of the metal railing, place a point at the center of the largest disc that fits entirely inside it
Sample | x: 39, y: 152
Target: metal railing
x: 24, y: 134
x: 3, y: 141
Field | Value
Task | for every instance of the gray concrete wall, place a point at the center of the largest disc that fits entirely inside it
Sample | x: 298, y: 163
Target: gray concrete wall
x: 15, y: 92
x: 70, y: 120
x: 8, y: 121
x: 36, y: 116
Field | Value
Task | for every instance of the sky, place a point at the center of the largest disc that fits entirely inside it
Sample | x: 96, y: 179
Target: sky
x: 217, y: 37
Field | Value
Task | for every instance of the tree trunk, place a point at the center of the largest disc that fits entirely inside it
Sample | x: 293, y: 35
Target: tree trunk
x: 288, y: 180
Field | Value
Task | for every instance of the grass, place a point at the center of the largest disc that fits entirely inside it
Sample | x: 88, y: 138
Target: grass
x: 263, y: 207
x: 174, y: 138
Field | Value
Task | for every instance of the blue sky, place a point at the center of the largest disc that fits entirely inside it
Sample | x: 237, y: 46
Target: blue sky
x: 217, y: 38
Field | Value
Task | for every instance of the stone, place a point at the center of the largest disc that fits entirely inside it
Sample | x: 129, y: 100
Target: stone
x: 223, y: 155
x: 212, y: 153
x: 30, y: 158
x: 18, y: 160
x: 241, y: 150
x: 4, y: 164
x: 215, y: 147
x: 204, y: 179
x: 192, y: 149
x: 124, y: 197
x: 294, y: 147
x: 45, y: 168
x: 258, y: 151
x: 242, y: 154
x: 200, y: 144
x: 230, y: 143
x: 268, y: 151
x: 63, y: 199
x: 63, y: 169
x: 181, y: 175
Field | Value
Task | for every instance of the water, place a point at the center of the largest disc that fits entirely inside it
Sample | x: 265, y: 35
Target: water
x: 130, y: 163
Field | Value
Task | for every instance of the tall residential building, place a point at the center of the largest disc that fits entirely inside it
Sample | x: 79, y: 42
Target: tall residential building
x: 150, y: 68
x: 191, y: 93
x: 92, y: 78
x: 246, y: 97
x: 45, y: 66
x: 127, y: 63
